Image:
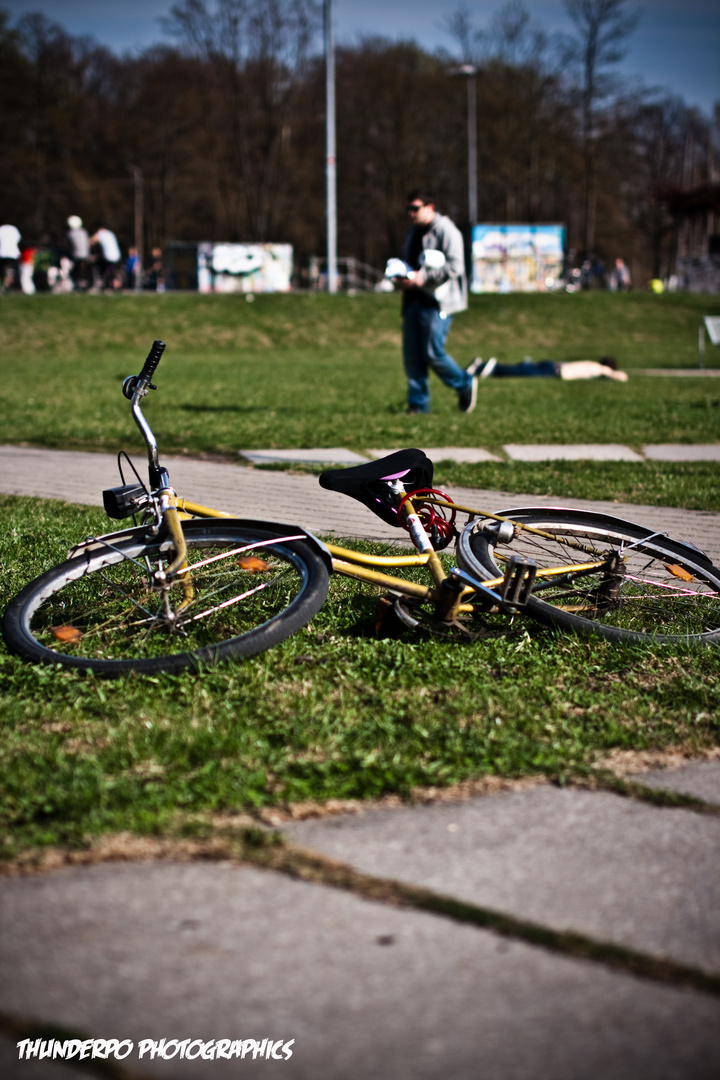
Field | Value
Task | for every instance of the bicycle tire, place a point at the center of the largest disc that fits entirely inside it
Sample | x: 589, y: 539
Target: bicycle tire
x: 124, y: 622
x: 660, y: 589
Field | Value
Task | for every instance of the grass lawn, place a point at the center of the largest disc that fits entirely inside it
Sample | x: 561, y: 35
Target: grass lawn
x: 335, y: 712
x: 301, y: 371
x: 332, y: 713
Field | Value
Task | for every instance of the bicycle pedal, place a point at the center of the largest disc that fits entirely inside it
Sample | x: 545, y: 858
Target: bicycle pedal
x: 516, y: 587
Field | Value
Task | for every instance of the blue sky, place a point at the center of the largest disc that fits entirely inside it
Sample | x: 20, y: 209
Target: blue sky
x: 676, y: 45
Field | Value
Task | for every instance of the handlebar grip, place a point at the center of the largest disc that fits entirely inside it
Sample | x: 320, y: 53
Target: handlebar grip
x: 153, y: 359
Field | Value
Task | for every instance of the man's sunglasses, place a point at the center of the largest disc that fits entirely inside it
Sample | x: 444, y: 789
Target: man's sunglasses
x: 414, y: 207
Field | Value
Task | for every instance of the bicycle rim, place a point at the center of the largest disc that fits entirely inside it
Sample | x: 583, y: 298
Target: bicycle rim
x: 106, y: 611
x: 647, y: 586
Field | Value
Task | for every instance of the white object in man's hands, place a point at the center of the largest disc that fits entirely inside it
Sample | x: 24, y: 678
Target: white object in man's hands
x: 432, y: 259
x: 398, y: 268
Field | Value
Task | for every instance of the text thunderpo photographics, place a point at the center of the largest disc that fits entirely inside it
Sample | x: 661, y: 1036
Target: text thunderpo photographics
x: 190, y: 1049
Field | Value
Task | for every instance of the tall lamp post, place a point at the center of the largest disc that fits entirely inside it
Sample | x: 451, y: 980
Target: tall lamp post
x: 139, y: 222
x: 330, y: 165
x: 469, y: 72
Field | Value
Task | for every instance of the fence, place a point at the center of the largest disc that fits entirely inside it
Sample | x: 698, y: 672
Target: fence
x: 353, y: 275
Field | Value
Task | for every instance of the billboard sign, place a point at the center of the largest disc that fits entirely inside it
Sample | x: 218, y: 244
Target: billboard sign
x: 517, y: 258
x: 244, y: 268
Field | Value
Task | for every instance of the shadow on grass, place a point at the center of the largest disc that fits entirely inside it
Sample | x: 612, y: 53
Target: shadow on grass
x: 366, y: 617
x: 224, y: 408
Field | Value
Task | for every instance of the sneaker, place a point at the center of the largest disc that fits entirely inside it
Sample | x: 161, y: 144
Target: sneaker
x: 468, y: 398
x: 482, y: 368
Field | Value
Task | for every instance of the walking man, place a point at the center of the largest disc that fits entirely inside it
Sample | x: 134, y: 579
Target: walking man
x: 434, y: 288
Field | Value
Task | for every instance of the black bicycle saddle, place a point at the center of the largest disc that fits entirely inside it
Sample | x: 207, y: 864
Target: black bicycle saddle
x: 368, y: 483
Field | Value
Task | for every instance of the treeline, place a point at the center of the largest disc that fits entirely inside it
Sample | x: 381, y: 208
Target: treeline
x: 227, y: 128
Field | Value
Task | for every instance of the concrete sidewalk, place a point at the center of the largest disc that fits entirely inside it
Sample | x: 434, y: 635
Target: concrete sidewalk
x: 296, y: 499
x: 366, y: 989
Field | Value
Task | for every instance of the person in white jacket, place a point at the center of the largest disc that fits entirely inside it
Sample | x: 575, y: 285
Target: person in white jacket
x: 109, y: 261
x: 433, y: 291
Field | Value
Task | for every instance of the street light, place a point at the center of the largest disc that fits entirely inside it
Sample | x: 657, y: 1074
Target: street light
x: 330, y: 164
x: 469, y: 72
x: 139, y: 223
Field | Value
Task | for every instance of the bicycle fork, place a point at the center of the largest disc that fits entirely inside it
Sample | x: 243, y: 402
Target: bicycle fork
x: 135, y: 388
x: 178, y: 569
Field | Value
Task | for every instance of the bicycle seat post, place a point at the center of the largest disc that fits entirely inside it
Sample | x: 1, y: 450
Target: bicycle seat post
x: 418, y: 533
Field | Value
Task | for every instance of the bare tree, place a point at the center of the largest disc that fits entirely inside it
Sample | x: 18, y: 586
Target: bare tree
x: 255, y: 62
x: 602, y: 26
x: 228, y: 130
x: 468, y: 38
x: 515, y: 39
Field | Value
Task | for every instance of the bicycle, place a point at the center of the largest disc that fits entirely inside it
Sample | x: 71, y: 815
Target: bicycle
x: 190, y: 585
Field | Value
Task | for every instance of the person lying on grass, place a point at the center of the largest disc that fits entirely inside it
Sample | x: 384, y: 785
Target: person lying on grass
x: 605, y: 368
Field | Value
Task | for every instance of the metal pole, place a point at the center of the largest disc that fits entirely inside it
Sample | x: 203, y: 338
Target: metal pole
x: 139, y: 222
x: 472, y: 148
x: 330, y: 165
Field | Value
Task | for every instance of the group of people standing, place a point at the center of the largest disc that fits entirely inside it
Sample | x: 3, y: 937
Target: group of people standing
x: 83, y: 261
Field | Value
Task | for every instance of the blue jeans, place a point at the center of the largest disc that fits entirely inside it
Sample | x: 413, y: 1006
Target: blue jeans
x: 424, y: 333
x: 526, y: 369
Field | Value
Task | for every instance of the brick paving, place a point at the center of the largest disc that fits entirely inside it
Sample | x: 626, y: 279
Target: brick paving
x: 298, y: 499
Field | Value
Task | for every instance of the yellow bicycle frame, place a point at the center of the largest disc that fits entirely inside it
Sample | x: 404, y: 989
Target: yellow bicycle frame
x: 448, y: 595
x: 364, y: 567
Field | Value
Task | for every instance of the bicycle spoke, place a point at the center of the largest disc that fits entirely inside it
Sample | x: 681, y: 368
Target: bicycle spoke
x: 237, y: 599
x: 119, y: 606
x: 646, y: 585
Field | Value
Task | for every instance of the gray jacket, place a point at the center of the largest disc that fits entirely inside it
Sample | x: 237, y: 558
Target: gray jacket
x: 448, y: 285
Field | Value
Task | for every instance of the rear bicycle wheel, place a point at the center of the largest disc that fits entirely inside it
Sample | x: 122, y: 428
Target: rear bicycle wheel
x: 647, y: 586
x: 106, y: 611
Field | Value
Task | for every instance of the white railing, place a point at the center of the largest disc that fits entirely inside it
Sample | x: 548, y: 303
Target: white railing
x: 353, y: 275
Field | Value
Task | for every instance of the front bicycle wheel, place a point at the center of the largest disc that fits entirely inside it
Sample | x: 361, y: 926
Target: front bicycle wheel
x: 107, y: 611
x: 599, y: 574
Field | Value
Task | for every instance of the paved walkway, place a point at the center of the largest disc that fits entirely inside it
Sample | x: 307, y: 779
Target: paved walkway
x: 296, y: 499
x: 339, y: 455
x: 369, y: 989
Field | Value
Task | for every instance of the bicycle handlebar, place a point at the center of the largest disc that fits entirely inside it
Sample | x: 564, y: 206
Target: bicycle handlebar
x: 143, y: 381
x: 134, y: 388
x: 153, y: 359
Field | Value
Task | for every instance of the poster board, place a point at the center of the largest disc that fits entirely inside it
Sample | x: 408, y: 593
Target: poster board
x: 517, y: 258
x: 244, y: 268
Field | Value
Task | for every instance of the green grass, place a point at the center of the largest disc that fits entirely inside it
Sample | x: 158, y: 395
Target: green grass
x: 693, y: 485
x: 323, y: 371
x: 333, y: 712
x: 301, y: 371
